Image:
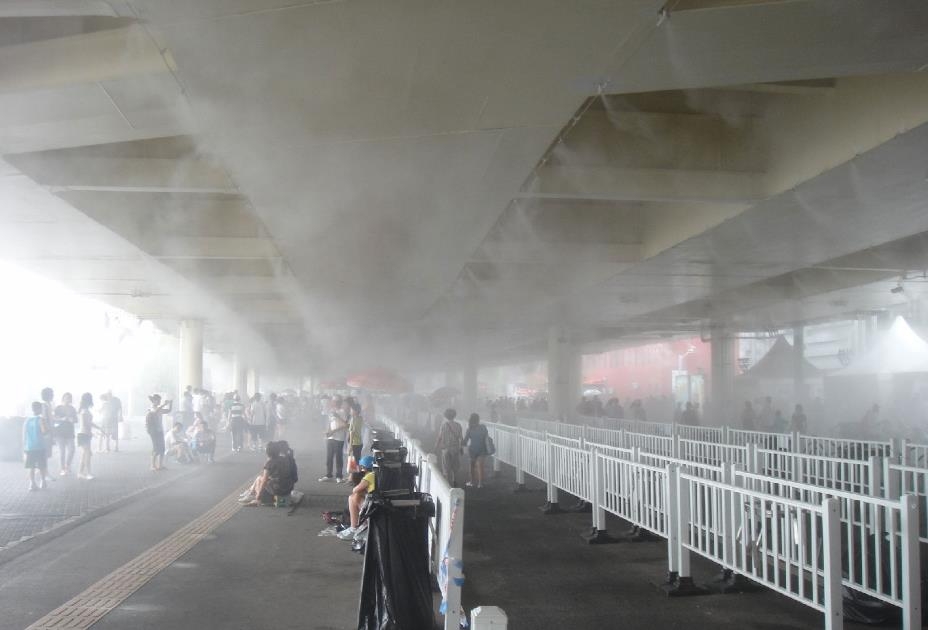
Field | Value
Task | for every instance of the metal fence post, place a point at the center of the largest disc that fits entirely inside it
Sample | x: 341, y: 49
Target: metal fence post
x: 673, y: 524
x: 550, y: 506
x: 726, y: 438
x: 911, y: 570
x: 796, y: 445
x: 520, y: 473
x: 675, y: 446
x: 753, y: 463
x: 831, y: 546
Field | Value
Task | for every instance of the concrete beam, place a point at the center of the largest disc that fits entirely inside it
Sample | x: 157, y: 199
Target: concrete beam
x: 212, y: 247
x: 88, y: 58
x: 55, y: 8
x: 640, y: 184
x: 73, y: 171
x: 546, y: 252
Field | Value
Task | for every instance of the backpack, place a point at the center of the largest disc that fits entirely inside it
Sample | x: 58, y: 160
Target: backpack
x: 491, y: 447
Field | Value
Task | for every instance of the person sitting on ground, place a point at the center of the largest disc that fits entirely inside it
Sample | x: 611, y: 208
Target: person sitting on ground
x: 177, y: 446
x: 276, y: 480
x: 202, y: 440
x: 358, y: 494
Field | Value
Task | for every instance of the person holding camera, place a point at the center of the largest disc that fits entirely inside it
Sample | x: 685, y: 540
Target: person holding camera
x: 154, y: 425
x: 449, y: 446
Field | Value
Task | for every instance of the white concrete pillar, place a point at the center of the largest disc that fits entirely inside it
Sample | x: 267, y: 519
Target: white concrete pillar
x: 252, y: 383
x: 238, y: 375
x: 799, y: 378
x: 469, y: 389
x: 723, y: 346
x: 190, y: 370
x: 564, y: 373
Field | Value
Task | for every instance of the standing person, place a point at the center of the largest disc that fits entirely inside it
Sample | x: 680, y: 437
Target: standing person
x: 689, y: 416
x: 117, y: 414
x: 154, y: 425
x: 34, y: 447
x: 335, y: 445
x: 48, y: 423
x: 65, y: 422
x: 257, y: 417
x: 748, y: 417
x: 282, y: 417
x: 235, y: 418
x: 799, y: 421
x: 108, y: 422
x: 186, y: 406
x: 85, y: 435
x: 476, y: 442
x: 356, y: 432
x: 449, y: 446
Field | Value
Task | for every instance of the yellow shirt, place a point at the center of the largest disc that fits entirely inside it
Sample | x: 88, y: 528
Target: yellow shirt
x: 369, y: 478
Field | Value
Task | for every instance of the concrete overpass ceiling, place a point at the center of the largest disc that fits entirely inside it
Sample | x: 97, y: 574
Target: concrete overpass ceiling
x: 450, y: 178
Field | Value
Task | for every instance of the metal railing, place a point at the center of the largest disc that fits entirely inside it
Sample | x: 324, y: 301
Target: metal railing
x: 795, y: 522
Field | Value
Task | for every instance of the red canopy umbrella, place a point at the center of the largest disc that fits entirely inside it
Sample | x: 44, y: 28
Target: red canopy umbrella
x: 335, y: 383
x: 379, y: 380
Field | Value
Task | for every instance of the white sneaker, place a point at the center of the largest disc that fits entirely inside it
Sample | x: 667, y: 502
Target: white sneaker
x: 88, y: 477
x: 346, y: 534
x: 339, y: 480
x: 326, y: 479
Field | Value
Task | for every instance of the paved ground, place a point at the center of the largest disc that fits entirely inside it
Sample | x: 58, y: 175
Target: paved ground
x: 262, y: 568
x: 24, y: 514
x: 269, y: 567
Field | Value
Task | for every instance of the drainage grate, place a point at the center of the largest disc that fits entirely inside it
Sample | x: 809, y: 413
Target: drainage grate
x: 109, y: 592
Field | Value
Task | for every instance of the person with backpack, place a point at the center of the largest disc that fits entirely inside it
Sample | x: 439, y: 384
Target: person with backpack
x: 476, y: 442
x: 449, y: 446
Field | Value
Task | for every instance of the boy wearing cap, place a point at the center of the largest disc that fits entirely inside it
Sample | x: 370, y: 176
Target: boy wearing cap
x: 357, y: 496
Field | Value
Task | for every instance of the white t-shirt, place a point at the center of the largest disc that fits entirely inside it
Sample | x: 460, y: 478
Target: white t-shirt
x: 258, y: 413
x: 337, y: 427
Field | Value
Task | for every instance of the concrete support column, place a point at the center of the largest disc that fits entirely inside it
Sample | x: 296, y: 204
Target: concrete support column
x: 238, y: 375
x: 723, y: 347
x: 252, y: 383
x: 190, y: 370
x: 564, y: 373
x: 469, y: 389
x: 799, y: 353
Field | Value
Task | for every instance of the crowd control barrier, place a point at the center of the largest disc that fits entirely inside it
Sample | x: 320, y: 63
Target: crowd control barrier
x: 802, y: 525
x: 446, y: 531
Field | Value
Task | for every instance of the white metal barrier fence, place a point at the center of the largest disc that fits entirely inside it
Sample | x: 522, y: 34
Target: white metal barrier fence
x: 446, y: 531
x: 772, y: 525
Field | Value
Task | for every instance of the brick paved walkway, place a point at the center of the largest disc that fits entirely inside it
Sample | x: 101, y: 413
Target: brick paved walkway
x: 24, y: 514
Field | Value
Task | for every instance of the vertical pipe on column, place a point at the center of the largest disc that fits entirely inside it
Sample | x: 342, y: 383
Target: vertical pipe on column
x: 190, y: 363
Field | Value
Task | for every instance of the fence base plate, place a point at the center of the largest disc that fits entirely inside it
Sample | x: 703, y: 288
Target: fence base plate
x: 581, y: 507
x: 599, y: 537
x: 682, y: 587
x: 730, y: 582
x: 637, y: 534
x: 551, y: 508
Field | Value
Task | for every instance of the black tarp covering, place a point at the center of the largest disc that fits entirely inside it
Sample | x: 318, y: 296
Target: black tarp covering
x: 396, y: 591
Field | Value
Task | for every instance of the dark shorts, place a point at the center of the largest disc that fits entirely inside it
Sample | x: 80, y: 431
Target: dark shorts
x: 36, y: 459
x: 157, y: 443
x: 84, y: 440
x: 258, y: 431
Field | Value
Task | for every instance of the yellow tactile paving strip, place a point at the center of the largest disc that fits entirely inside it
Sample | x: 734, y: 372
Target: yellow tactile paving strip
x: 87, y: 608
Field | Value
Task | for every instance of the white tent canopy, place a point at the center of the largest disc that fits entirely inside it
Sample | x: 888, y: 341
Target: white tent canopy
x: 897, y: 351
